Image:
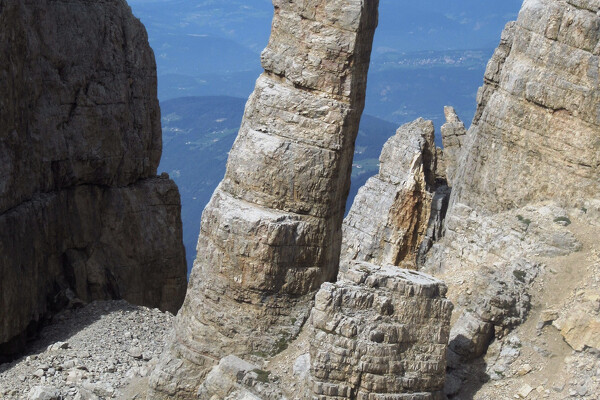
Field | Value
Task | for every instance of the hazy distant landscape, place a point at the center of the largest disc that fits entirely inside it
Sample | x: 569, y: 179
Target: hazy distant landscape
x: 425, y: 55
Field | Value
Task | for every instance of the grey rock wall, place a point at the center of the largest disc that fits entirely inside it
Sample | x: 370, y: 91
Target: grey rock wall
x: 82, y: 213
x: 535, y: 135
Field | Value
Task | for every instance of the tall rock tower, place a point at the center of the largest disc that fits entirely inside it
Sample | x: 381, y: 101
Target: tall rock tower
x: 271, y: 234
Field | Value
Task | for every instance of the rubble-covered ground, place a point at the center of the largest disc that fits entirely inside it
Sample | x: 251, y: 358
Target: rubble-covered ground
x: 89, y: 353
x: 534, y: 275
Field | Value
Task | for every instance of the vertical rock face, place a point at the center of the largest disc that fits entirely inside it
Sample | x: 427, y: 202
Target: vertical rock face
x: 81, y: 210
x: 453, y: 135
x: 390, y: 214
x: 271, y: 234
x: 380, y: 333
x: 535, y: 134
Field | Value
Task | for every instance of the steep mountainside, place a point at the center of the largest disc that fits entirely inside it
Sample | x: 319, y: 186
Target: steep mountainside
x: 537, y: 112
x: 525, y: 181
x: 82, y: 213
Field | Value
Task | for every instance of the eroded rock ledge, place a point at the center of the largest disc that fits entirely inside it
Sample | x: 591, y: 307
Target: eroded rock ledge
x: 379, y: 333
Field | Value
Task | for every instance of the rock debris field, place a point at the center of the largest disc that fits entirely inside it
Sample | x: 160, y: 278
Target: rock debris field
x: 89, y: 353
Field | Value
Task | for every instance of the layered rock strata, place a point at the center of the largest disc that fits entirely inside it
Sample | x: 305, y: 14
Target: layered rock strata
x: 390, y: 214
x: 380, y: 333
x: 535, y: 133
x: 271, y: 234
x: 82, y: 213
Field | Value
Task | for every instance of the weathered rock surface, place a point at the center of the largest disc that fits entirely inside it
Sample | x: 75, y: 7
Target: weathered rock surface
x: 579, y: 317
x: 78, y: 100
x: 271, y: 233
x: 380, y: 333
x: 82, y: 214
x: 390, y: 214
x: 236, y: 379
x: 535, y: 133
x: 532, y: 149
x: 453, y: 136
x: 435, y: 226
x: 490, y: 264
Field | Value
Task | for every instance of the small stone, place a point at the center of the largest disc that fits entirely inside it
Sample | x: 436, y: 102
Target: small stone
x: 524, y: 391
x: 302, y: 366
x: 58, y: 346
x: 83, y: 394
x: 132, y: 373
x: 39, y: 373
x: 582, y: 390
x: 43, y: 393
x: 135, y: 352
x: 74, y: 376
x: 558, y: 388
x: 524, y: 370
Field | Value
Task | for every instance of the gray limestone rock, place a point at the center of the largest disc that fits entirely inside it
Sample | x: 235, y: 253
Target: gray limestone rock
x: 82, y: 214
x: 535, y: 133
x: 453, y: 135
x: 271, y: 234
x: 43, y: 393
x: 236, y: 379
x: 390, y: 215
x: 379, y: 333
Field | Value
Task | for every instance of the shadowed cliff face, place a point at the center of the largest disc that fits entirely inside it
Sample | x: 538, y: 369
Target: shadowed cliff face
x: 81, y: 211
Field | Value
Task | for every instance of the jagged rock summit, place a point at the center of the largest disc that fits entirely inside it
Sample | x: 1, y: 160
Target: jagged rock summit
x: 453, y: 135
x: 82, y: 213
x: 388, y: 219
x: 271, y: 234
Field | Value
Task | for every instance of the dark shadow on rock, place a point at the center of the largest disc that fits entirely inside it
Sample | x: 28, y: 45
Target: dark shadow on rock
x: 465, y: 374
